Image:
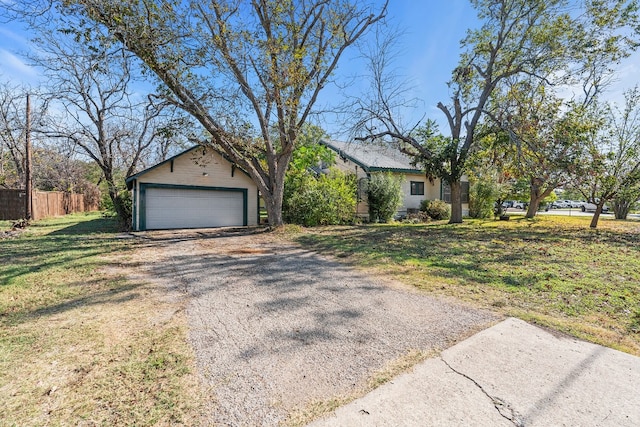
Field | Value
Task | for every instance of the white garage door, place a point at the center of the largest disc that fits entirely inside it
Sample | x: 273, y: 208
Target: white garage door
x: 168, y: 208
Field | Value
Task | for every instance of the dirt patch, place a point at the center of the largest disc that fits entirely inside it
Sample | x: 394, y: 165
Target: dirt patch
x: 278, y: 330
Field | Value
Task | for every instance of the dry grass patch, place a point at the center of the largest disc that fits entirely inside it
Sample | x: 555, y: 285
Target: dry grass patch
x: 83, y: 344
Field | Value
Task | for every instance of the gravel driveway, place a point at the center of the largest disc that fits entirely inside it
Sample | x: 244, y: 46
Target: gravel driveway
x: 276, y: 328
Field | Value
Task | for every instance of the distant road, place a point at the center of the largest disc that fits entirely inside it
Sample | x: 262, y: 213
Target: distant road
x: 569, y: 212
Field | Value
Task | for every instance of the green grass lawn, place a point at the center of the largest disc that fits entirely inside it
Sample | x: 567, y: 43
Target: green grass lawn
x: 553, y: 270
x: 78, y: 343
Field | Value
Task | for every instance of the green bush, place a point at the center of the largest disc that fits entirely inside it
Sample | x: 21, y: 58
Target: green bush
x: 123, y: 212
x: 384, y: 196
x: 325, y: 200
x: 482, y: 197
x: 436, y: 209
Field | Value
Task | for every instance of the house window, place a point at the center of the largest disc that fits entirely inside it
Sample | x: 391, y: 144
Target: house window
x: 446, y: 192
x: 417, y: 188
x: 465, y: 191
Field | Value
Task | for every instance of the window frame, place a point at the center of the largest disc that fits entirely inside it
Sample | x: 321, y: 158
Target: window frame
x: 415, y: 187
x: 464, y: 189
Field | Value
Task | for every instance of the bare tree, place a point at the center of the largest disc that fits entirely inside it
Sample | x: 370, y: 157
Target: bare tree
x: 91, y: 89
x: 12, y: 133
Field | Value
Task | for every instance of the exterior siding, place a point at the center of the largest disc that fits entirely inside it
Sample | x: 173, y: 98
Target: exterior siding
x: 195, y: 169
x: 431, y: 190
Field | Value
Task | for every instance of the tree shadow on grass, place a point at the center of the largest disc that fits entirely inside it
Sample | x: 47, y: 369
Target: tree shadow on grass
x: 112, y: 295
x: 474, y: 253
x: 31, y: 254
x: 95, y: 226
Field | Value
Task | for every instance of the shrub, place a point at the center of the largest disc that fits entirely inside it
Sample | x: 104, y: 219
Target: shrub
x: 384, y: 196
x: 122, y: 211
x: 418, y: 217
x: 436, y: 209
x: 482, y: 197
x: 325, y: 200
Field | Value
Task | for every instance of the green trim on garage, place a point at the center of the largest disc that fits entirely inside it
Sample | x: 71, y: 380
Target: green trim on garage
x: 145, y: 186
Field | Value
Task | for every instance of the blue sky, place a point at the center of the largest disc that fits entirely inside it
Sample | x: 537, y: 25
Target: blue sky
x: 429, y: 50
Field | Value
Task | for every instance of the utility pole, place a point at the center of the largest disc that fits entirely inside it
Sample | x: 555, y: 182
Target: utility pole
x: 27, y: 167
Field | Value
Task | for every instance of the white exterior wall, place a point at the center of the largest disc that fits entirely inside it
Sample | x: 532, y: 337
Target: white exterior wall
x: 431, y: 190
x: 194, y: 169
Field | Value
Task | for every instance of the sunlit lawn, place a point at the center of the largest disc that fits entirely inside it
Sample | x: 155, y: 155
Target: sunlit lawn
x: 553, y: 270
x: 78, y: 344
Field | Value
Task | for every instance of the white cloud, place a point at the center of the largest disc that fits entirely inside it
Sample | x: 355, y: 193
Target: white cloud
x: 13, y: 67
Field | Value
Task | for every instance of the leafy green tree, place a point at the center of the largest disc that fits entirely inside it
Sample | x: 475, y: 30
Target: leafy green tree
x: 491, y: 174
x: 241, y: 68
x: 547, y: 136
x: 309, y: 153
x: 542, y: 39
x: 310, y: 197
x: 384, y: 196
x: 484, y: 193
x: 612, y: 158
x: 625, y: 200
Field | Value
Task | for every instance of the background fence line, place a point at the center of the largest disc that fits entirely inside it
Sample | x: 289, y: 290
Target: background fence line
x: 45, y: 204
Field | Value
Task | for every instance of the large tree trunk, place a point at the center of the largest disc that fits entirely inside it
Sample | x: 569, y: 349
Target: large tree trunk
x: 596, y: 214
x: 273, y: 204
x: 537, y: 196
x: 456, y: 202
x: 274, y: 195
x: 534, y: 205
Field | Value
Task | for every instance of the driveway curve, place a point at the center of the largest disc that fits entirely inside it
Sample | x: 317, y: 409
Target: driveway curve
x: 277, y: 328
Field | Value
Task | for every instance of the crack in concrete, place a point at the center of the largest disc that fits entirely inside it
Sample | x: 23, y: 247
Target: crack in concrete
x: 501, y: 406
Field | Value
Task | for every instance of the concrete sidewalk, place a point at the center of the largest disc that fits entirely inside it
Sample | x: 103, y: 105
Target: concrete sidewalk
x: 510, y: 374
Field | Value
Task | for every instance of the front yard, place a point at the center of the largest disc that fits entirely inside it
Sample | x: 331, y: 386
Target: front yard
x: 83, y: 343
x: 553, y: 270
x: 80, y: 343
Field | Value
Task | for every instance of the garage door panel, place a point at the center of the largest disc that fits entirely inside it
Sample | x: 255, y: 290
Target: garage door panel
x: 168, y: 208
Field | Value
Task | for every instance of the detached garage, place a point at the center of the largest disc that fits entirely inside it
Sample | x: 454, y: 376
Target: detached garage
x: 198, y: 188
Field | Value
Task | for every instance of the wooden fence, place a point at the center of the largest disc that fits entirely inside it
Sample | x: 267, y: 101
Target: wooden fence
x: 44, y: 204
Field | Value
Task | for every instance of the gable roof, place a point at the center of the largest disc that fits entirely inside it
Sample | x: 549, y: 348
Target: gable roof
x: 129, y: 181
x: 373, y: 158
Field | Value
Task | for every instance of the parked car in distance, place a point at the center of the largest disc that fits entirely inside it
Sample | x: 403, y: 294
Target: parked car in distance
x: 519, y: 205
x: 558, y: 204
x: 591, y: 207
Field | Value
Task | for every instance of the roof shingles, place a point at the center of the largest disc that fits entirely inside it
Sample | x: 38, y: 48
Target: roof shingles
x: 373, y: 157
